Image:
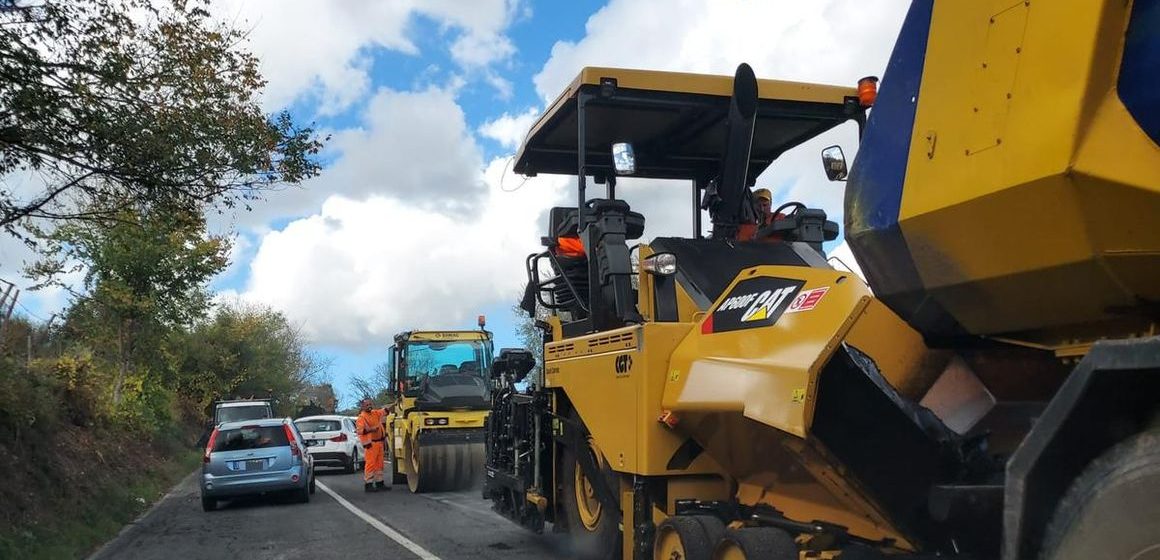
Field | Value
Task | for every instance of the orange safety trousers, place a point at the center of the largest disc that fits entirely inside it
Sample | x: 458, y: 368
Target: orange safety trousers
x: 373, y: 468
x: 371, y: 435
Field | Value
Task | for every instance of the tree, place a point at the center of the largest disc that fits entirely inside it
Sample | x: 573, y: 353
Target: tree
x: 530, y: 335
x: 139, y: 102
x: 318, y: 398
x: 376, y: 385
x: 145, y: 273
x: 241, y: 352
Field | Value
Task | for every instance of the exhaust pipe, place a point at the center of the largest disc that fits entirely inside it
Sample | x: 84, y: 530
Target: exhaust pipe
x: 731, y: 183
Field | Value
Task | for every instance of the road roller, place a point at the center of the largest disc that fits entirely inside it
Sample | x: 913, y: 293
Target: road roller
x: 439, y: 383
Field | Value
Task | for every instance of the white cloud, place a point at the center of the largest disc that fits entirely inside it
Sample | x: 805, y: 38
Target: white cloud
x: 509, y: 130
x: 832, y: 41
x: 321, y: 49
x: 357, y: 272
x: 410, y: 146
x: 481, y: 49
x: 415, y: 146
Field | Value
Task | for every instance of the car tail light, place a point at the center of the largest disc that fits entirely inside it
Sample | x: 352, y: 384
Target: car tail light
x: 339, y: 438
x: 293, y: 442
x: 209, y: 445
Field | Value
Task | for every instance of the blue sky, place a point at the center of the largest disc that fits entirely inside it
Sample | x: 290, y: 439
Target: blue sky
x: 415, y: 221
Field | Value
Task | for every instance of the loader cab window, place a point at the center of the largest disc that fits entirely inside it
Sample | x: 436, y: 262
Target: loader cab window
x: 430, y: 358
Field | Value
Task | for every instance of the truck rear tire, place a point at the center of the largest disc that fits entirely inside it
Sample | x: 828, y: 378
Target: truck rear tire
x: 595, y: 533
x: 1110, y: 511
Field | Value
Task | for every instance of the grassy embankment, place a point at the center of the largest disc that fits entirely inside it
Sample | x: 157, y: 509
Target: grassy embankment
x: 70, y: 505
x: 73, y: 471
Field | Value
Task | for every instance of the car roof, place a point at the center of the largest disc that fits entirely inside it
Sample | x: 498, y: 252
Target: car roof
x: 234, y: 404
x: 260, y: 422
x: 322, y: 417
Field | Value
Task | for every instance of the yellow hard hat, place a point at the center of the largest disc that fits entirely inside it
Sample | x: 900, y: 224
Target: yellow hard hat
x: 763, y: 193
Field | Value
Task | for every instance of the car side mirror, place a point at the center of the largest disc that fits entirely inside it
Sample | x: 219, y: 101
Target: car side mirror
x: 834, y: 161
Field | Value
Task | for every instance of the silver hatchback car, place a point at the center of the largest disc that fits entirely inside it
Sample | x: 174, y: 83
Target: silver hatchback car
x: 255, y: 457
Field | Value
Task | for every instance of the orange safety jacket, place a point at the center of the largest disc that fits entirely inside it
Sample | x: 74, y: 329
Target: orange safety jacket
x: 370, y: 426
x: 748, y: 232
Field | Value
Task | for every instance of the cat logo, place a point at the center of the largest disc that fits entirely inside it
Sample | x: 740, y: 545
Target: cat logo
x: 623, y: 364
x: 753, y: 302
x: 765, y: 302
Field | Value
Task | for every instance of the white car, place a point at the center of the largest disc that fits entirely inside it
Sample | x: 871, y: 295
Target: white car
x: 331, y: 440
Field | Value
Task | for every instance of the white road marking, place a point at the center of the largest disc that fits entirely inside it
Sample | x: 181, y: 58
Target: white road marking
x: 383, y: 528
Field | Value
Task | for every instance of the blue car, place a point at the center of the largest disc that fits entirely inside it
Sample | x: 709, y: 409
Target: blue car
x: 255, y: 457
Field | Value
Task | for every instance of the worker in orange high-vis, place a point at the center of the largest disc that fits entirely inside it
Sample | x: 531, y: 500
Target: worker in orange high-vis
x: 372, y: 435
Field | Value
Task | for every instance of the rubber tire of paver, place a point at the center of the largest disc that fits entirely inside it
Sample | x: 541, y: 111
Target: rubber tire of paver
x: 695, y: 535
x: 1105, y: 511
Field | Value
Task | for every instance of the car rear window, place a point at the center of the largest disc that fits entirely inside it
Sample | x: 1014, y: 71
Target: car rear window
x: 319, y: 426
x: 250, y: 438
x: 236, y: 413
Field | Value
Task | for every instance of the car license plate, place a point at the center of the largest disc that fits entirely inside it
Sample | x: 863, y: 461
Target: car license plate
x: 255, y: 464
x: 313, y: 442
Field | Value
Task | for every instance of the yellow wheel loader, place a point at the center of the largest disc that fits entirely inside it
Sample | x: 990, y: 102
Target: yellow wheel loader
x: 990, y: 390
x: 440, y: 383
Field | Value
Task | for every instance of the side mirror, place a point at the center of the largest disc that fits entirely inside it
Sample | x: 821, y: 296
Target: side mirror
x: 835, y: 163
x: 623, y: 158
x: 514, y: 362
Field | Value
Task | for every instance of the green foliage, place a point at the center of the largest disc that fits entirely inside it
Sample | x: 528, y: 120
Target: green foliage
x: 136, y: 101
x: 144, y: 264
x: 145, y: 274
x: 29, y: 403
x: 244, y: 351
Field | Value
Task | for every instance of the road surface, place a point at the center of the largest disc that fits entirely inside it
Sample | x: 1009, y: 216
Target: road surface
x: 341, y: 521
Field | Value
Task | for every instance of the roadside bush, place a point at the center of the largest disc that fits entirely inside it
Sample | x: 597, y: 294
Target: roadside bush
x: 79, y: 385
x: 28, y: 402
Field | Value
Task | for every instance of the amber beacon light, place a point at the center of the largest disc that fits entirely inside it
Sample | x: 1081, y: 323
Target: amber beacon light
x: 867, y: 90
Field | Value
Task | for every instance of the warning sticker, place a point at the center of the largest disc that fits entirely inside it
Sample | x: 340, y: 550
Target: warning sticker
x: 807, y: 300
